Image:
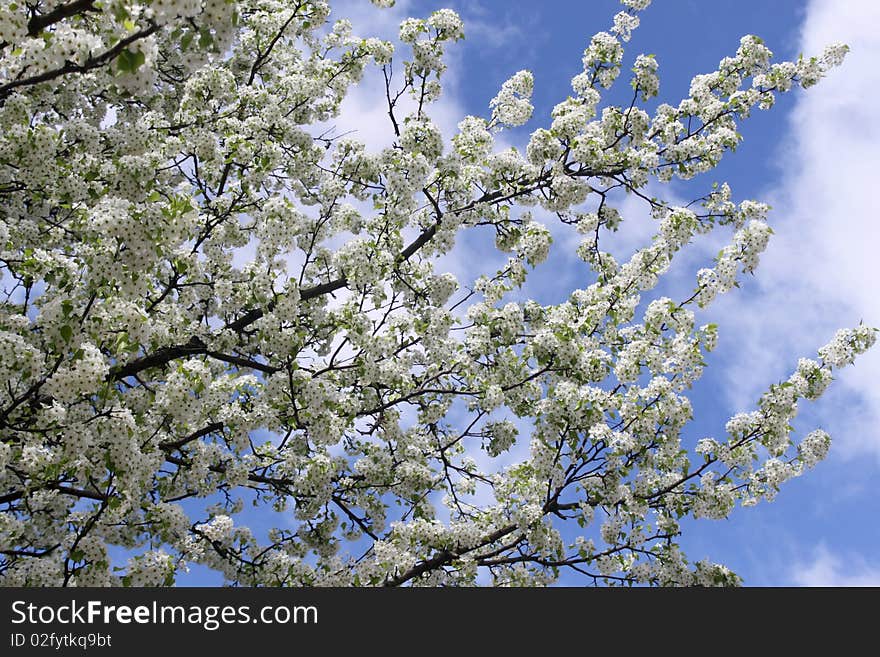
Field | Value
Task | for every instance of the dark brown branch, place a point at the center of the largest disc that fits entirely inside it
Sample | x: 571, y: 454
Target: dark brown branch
x: 70, y: 67
x: 445, y: 557
x: 65, y: 490
x: 204, y: 431
x: 158, y: 358
x: 243, y: 362
x: 40, y: 22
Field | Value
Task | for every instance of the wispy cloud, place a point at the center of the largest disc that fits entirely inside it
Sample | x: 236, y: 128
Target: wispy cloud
x: 821, y: 269
x: 829, y: 569
x: 495, y: 31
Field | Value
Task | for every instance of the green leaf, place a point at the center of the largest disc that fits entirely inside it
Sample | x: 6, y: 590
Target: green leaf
x: 130, y: 61
x: 66, y: 333
x: 205, y: 39
x: 120, y: 13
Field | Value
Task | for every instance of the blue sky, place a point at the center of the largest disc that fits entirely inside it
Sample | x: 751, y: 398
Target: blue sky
x: 813, y: 158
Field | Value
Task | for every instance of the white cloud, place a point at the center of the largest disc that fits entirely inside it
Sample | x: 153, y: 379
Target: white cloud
x: 494, y: 31
x: 821, y: 269
x: 828, y: 569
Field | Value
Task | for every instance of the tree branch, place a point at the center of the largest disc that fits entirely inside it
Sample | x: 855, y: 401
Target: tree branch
x: 69, y: 67
x: 41, y: 21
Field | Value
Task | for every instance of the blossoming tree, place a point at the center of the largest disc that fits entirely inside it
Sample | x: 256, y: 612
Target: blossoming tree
x: 338, y: 409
